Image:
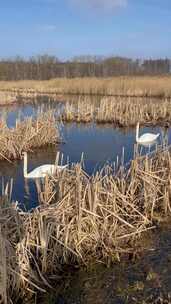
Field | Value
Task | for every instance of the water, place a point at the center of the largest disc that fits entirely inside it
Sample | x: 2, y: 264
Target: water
x: 101, y: 144
x: 11, y: 113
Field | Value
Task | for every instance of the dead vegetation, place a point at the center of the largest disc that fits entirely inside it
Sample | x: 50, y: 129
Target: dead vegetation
x: 142, y: 86
x: 28, y: 135
x: 7, y: 98
x: 119, y: 111
x: 119, y: 100
x: 82, y: 219
x: 125, y: 86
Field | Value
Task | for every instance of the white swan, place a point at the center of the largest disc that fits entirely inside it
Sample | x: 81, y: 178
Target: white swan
x: 146, y: 139
x: 42, y: 171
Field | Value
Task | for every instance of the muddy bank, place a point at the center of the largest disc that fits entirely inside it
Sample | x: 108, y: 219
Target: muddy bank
x: 141, y: 278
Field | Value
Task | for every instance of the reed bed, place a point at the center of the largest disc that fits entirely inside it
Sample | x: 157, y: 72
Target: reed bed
x: 79, y: 111
x: 118, y: 111
x: 140, y: 86
x: 82, y: 219
x: 28, y: 135
x: 127, y: 113
x: 7, y: 98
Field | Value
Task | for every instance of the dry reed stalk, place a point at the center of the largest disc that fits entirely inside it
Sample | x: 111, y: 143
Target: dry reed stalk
x: 3, y: 271
x: 84, y: 219
x: 28, y: 135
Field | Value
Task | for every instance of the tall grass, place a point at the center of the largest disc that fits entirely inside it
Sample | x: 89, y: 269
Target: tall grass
x: 83, y: 219
x: 125, y: 86
x: 28, y: 135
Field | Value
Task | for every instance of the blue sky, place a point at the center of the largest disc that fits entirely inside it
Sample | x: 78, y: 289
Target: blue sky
x: 67, y: 28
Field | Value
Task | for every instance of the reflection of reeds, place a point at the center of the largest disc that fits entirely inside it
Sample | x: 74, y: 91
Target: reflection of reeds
x: 28, y: 135
x: 84, y: 219
x: 118, y: 111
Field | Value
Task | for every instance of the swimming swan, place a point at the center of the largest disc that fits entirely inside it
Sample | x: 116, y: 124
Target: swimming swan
x: 42, y: 171
x: 146, y: 139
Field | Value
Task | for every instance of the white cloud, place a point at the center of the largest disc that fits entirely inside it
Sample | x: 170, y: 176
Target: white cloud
x: 100, y: 4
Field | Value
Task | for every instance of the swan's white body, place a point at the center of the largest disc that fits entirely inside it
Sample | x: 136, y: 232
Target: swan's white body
x: 146, y: 139
x: 42, y: 171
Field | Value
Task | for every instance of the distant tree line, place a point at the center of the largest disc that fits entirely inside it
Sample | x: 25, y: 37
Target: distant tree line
x: 46, y: 67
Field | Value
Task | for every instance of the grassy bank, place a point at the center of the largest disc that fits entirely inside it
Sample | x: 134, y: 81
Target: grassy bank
x: 28, y: 135
x: 82, y: 220
x: 117, y: 86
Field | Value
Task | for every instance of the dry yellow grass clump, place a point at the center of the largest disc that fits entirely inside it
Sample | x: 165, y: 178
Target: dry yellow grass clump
x: 82, y: 220
x: 28, y: 135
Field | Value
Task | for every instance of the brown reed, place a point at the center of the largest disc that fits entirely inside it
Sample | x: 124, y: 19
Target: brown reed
x: 119, y: 111
x: 152, y: 86
x: 28, y: 135
x: 82, y: 220
x: 78, y: 111
x: 110, y: 106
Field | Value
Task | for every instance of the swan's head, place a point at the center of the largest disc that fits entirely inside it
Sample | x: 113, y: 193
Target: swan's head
x: 166, y: 125
x: 24, y: 154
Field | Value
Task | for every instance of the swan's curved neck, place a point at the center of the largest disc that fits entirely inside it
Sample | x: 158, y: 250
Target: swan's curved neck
x: 25, y: 165
x: 137, y: 132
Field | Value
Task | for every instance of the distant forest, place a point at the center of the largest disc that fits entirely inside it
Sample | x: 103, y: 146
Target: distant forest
x: 45, y: 67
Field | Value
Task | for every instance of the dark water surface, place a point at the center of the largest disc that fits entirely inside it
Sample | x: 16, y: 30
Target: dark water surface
x: 100, y: 144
